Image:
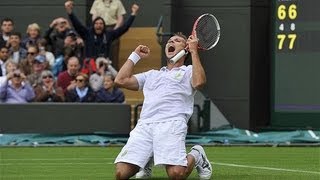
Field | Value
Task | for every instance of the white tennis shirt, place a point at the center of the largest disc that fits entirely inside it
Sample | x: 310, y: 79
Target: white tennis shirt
x: 168, y: 94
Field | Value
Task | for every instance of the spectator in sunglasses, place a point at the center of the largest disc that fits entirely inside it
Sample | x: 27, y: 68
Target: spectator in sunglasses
x: 26, y: 64
x: 47, y: 90
x: 82, y: 92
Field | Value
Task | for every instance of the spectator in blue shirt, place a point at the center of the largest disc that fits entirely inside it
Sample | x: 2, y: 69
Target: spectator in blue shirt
x: 16, y: 90
x: 110, y: 93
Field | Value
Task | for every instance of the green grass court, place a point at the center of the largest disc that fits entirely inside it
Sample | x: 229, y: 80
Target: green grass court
x: 92, y: 163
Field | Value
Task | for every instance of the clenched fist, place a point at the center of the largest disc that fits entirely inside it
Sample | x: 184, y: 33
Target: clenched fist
x: 69, y: 6
x: 134, y: 9
x: 143, y: 51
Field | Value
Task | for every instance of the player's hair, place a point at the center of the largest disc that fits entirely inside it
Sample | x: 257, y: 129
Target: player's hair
x: 180, y: 34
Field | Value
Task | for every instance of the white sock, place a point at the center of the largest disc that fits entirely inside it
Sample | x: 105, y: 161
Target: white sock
x: 197, y: 156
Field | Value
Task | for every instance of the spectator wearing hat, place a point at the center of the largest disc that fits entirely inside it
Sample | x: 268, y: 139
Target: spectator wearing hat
x: 82, y: 91
x: 108, y: 93
x: 16, y: 90
x: 76, y: 43
x: 47, y: 90
x: 38, y: 66
x: 33, y: 35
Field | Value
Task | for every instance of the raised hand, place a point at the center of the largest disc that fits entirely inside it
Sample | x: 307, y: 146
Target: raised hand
x: 134, y: 9
x: 143, y: 51
x: 192, y: 43
x: 69, y: 6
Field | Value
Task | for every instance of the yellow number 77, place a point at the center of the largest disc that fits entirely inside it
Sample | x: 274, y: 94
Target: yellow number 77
x: 282, y: 37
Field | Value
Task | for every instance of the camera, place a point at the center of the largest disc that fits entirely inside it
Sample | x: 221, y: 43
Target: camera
x: 101, y: 64
x: 17, y: 75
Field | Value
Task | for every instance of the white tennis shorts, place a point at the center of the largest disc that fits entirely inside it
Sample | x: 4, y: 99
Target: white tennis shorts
x: 165, y: 141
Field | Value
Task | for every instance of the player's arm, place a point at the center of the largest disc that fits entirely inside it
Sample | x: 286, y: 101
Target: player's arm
x: 125, y: 78
x: 198, y: 74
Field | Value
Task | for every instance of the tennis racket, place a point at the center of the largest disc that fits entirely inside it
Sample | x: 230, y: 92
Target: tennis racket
x: 207, y: 29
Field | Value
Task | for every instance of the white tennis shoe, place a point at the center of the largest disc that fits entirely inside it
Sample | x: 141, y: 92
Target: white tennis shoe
x: 203, y: 167
x: 146, y: 172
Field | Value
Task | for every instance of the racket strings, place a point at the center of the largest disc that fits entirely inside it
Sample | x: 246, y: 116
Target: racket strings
x: 208, y: 32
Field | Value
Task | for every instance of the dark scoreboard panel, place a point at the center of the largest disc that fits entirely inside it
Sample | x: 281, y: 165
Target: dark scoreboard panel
x: 296, y: 63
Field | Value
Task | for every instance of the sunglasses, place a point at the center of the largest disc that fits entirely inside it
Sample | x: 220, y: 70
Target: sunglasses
x: 31, y: 53
x: 45, y: 77
x: 79, y: 80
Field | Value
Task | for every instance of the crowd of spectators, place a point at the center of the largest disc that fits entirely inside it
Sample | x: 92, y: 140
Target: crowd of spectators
x: 69, y: 63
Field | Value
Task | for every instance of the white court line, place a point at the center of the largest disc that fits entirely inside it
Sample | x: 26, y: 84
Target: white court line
x: 22, y: 162
x: 265, y: 168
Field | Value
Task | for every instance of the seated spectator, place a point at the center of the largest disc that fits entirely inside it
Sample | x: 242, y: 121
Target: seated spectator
x: 66, y: 78
x: 73, y: 46
x: 4, y: 55
x: 38, y: 66
x: 82, y: 92
x: 16, y: 90
x: 61, y: 62
x: 26, y: 64
x: 7, y: 27
x: 10, y: 67
x: 42, y: 43
x: 103, y: 67
x: 47, y: 90
x: 16, y: 51
x: 110, y: 93
x: 33, y: 35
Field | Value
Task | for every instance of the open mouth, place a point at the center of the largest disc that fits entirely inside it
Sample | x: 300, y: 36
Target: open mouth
x: 171, y: 49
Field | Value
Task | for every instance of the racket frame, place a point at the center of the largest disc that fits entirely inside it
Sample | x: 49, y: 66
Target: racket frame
x: 183, y: 52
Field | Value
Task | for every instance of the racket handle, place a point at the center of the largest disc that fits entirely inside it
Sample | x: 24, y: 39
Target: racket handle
x: 178, y: 56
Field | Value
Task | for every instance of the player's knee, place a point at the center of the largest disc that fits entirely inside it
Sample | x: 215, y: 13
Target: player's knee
x: 176, y: 174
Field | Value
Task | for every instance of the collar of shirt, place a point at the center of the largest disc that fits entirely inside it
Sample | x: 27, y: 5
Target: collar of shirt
x: 82, y: 92
x: 165, y: 68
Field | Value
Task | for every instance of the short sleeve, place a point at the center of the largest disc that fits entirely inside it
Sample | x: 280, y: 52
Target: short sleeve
x: 142, y: 77
x: 121, y: 10
x: 93, y: 9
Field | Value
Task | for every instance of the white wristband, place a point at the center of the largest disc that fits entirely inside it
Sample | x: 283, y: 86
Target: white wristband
x: 134, y: 57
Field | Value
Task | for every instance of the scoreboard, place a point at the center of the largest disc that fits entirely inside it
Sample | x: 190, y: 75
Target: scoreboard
x: 295, y: 63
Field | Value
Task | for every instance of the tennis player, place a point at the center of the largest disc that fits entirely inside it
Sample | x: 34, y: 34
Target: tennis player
x: 168, y: 104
